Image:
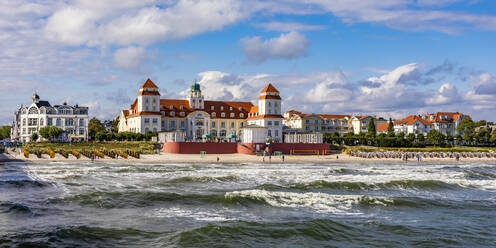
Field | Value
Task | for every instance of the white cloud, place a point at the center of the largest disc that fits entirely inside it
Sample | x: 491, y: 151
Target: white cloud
x: 130, y: 57
x: 287, y: 46
x: 446, y: 94
x: 289, y: 26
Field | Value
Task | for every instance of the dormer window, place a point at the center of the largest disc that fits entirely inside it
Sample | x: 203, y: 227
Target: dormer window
x: 232, y: 115
x: 240, y: 109
x: 171, y: 106
x: 230, y: 108
x: 181, y: 107
x: 222, y: 114
x: 182, y: 113
x: 241, y: 115
x: 221, y: 107
x: 172, y: 113
x: 214, y: 114
x: 212, y: 107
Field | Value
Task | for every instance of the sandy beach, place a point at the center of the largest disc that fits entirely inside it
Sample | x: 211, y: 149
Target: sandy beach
x: 234, y: 158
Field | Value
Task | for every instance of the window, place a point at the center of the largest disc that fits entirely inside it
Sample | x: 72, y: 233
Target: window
x: 32, y: 121
x: 172, y: 113
x: 232, y: 124
x: 146, y: 108
x: 183, y: 124
x: 213, y: 132
x: 182, y: 114
x: 163, y: 125
x: 154, y: 129
x: 269, y: 104
x: 223, y: 114
x: 213, y: 124
x: 171, y: 106
x: 69, y: 122
x: 316, y: 122
x: 223, y: 124
x: 276, y: 123
x: 147, y: 120
x: 269, y: 133
x: 81, y: 122
x: 172, y: 124
x: 24, y: 131
x: 241, y: 115
x: 232, y: 115
x: 230, y: 108
x: 222, y: 133
x: 154, y: 100
x: 42, y: 122
x: 154, y: 108
x: 155, y: 121
x: 181, y: 107
x: 307, y: 121
x: 276, y: 133
x: 269, y: 123
x: 214, y: 114
x: 33, y: 110
x: 49, y: 122
x: 221, y: 107
x: 24, y: 122
x: 212, y: 107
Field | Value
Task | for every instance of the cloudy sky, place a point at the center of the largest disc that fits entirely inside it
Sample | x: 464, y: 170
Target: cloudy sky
x: 383, y: 57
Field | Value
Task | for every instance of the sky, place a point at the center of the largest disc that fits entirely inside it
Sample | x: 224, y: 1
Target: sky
x: 389, y: 58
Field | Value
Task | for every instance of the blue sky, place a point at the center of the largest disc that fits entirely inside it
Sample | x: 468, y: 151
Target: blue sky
x: 380, y: 57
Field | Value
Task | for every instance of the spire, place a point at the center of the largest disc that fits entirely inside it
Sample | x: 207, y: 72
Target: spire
x: 195, y: 87
x: 269, y: 88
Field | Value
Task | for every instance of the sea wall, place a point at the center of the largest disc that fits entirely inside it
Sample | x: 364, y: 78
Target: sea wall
x: 243, y: 148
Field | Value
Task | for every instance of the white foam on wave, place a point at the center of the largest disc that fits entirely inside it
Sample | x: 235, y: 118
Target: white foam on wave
x: 197, y: 214
x: 320, y: 202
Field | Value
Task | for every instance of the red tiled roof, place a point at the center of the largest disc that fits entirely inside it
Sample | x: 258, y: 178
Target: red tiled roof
x: 125, y: 112
x: 149, y: 93
x: 254, y: 110
x: 143, y: 113
x: 339, y: 117
x: 269, y: 97
x: 269, y: 88
x: 148, y: 84
x: 382, y: 127
x: 265, y: 116
x: 134, y: 106
x: 237, y: 108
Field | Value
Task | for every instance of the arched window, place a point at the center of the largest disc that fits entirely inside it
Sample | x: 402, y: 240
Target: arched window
x: 58, y: 122
x: 222, y: 133
x: 214, y: 114
x: 232, y: 115
x: 33, y: 110
x: 172, y: 113
x: 222, y: 114
x: 213, y: 132
x: 241, y: 115
x: 24, y: 122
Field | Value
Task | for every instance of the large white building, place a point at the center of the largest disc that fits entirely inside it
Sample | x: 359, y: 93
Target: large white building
x: 198, y: 118
x: 444, y: 122
x: 72, y: 120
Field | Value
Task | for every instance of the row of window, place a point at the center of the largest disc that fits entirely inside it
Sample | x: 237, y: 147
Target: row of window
x: 276, y: 123
x: 60, y: 111
x: 276, y: 133
x: 213, y: 114
x: 58, y: 122
x: 68, y: 131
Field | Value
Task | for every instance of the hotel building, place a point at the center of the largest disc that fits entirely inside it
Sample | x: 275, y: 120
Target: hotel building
x: 198, y: 118
x: 72, y: 120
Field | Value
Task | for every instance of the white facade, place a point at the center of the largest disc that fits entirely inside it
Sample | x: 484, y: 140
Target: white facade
x: 443, y: 122
x: 72, y: 120
x: 360, y: 124
x: 254, y: 134
x: 268, y: 114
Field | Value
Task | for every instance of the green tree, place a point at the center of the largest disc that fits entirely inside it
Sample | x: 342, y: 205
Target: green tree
x: 435, y: 137
x: 467, y: 126
x: 458, y: 138
x: 45, y: 132
x: 115, y: 125
x: 421, y: 137
x: 390, y: 130
x: 493, y: 139
x: 54, y: 132
x: 101, y: 136
x: 410, y: 138
x: 34, y: 137
x: 372, y: 130
x: 94, y: 126
x: 5, y: 132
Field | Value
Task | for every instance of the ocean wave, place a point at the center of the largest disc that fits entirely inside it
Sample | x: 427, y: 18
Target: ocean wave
x: 203, y: 179
x: 359, y: 186
x: 79, y: 236
x: 24, y: 183
x: 146, y: 198
x: 478, y: 174
x: 320, y: 202
x: 16, y: 208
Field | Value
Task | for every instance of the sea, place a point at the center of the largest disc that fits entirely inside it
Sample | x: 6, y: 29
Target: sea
x: 333, y: 204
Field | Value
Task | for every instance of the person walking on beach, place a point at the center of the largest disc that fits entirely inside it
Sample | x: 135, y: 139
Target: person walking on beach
x: 218, y: 159
x: 282, y: 158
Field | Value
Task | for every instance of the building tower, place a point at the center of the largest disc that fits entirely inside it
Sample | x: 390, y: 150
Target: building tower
x: 195, y: 97
x: 269, y: 102
x: 35, y: 98
x: 148, y: 97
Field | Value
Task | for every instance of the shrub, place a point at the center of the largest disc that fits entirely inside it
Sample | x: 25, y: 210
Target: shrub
x: 76, y: 154
x: 51, y: 153
x: 63, y: 153
x: 99, y: 154
x: 26, y: 153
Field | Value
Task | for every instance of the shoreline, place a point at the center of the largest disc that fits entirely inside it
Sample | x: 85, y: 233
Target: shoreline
x: 235, y: 158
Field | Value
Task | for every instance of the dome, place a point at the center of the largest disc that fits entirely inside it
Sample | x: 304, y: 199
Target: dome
x: 195, y: 87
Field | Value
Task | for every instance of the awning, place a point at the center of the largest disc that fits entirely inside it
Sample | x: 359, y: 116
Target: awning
x: 206, y: 136
x: 231, y: 136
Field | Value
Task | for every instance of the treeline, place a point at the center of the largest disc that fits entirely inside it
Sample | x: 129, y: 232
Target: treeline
x: 5, y: 132
x: 480, y: 133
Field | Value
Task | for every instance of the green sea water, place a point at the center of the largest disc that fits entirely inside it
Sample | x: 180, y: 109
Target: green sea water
x: 84, y: 204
